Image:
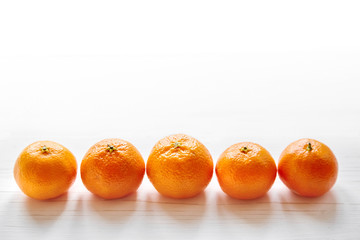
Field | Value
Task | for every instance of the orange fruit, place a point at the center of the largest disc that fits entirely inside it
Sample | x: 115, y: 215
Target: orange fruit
x: 245, y: 171
x: 308, y: 167
x: 179, y: 166
x: 112, y: 168
x: 45, y: 170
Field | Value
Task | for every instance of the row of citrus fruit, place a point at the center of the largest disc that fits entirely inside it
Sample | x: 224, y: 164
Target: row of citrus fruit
x: 179, y: 166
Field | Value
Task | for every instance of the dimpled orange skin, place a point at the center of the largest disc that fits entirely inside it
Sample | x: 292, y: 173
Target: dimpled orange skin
x: 112, y: 174
x: 309, y: 173
x: 246, y: 174
x: 179, y: 166
x: 45, y: 174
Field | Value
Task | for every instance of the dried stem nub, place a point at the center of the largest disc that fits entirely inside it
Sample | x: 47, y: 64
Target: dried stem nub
x: 177, y: 144
x: 111, y: 148
x: 244, y: 149
x: 309, y: 148
x: 44, y: 149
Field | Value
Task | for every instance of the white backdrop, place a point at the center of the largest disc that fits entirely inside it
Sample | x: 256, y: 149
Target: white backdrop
x: 271, y: 72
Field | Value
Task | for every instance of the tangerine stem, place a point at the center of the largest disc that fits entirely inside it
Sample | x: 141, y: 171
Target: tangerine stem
x: 309, y: 148
x: 177, y: 144
x: 111, y: 148
x: 44, y: 149
x: 244, y: 149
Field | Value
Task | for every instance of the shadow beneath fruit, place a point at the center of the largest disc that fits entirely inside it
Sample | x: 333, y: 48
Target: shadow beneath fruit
x: 177, y: 211
x: 114, y: 210
x: 45, y: 212
x: 321, y: 208
x: 255, y: 211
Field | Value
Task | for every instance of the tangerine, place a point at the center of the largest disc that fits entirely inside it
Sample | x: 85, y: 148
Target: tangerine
x: 308, y: 167
x: 179, y: 166
x: 246, y: 171
x: 45, y: 170
x: 112, y: 168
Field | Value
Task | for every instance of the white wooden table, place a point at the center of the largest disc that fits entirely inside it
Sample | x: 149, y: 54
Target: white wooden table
x: 146, y: 214
x: 270, y: 72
